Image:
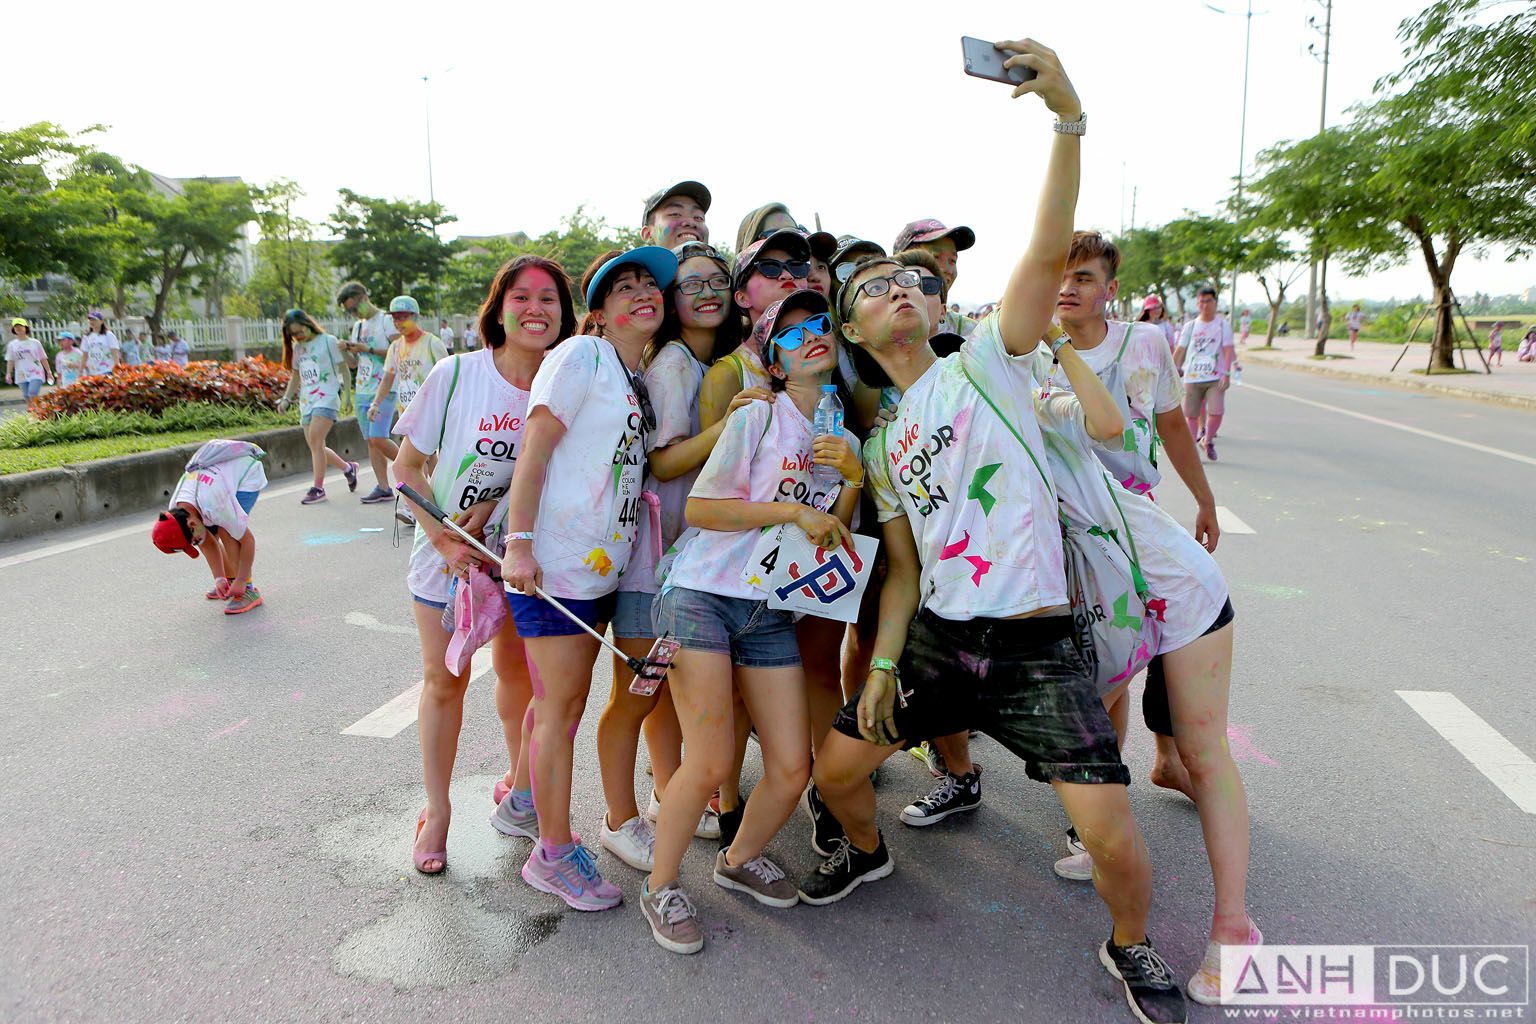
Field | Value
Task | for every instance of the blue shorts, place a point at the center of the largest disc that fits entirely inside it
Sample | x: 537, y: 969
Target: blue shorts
x: 751, y: 633
x: 247, y: 500
x: 378, y: 427
x: 632, y: 618
x: 31, y: 388
x: 536, y: 617
x: 439, y: 605
x: 324, y: 412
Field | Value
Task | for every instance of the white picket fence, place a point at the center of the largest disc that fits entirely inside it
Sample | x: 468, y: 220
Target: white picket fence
x: 233, y: 333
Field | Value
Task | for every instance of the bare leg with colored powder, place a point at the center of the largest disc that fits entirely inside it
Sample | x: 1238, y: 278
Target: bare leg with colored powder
x: 561, y: 678
x: 701, y: 690
x: 776, y: 699
x: 440, y: 713
x: 514, y: 690
x: 842, y: 778
x: 664, y: 741
x: 618, y: 735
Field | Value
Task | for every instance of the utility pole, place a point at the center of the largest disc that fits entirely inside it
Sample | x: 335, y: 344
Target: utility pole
x: 1242, y: 132
x: 426, y: 96
x: 1322, y: 123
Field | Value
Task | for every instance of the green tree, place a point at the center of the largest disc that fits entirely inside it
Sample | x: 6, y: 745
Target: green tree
x: 391, y: 245
x: 1145, y: 267
x: 1442, y: 167
x: 292, y: 268
x: 199, y: 225
x: 1206, y: 248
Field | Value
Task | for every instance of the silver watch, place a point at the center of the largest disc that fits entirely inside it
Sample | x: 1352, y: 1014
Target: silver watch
x: 1078, y: 127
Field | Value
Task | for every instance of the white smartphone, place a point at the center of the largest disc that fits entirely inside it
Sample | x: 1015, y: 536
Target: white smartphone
x: 983, y: 60
x: 662, y: 652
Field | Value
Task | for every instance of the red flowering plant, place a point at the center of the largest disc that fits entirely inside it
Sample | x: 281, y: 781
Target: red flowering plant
x: 251, y: 383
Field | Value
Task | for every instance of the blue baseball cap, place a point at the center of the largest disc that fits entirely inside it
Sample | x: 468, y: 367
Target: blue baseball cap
x: 659, y: 262
x: 404, y: 304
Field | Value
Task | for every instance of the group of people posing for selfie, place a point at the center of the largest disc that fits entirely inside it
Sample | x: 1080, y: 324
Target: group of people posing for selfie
x: 627, y: 467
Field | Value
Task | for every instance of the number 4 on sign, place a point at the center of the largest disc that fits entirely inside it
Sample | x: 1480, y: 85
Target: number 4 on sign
x: 798, y: 576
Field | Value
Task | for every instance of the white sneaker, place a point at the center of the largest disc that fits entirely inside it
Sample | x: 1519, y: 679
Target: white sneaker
x: 1077, y: 868
x: 632, y: 842
x: 709, y: 821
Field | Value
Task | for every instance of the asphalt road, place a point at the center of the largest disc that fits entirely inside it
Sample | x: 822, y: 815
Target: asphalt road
x: 190, y: 836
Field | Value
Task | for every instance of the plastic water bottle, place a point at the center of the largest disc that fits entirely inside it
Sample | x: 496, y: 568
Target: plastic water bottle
x: 829, y: 420
x: 1237, y: 375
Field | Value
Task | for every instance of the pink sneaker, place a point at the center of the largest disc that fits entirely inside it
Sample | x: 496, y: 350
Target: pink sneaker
x: 574, y: 878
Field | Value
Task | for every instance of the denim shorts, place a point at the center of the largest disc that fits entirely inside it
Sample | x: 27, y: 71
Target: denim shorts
x: 324, y: 412
x: 439, y: 605
x: 536, y: 617
x: 632, y: 616
x: 751, y: 633
x: 31, y: 388
x: 247, y: 500
x: 1021, y: 681
x: 377, y: 427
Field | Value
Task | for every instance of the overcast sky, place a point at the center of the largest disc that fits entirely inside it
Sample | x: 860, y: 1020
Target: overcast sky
x: 537, y: 108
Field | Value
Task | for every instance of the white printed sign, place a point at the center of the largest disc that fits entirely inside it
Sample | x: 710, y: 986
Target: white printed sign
x: 797, y: 576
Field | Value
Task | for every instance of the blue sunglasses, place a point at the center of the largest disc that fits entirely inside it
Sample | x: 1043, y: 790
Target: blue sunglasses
x: 791, y: 338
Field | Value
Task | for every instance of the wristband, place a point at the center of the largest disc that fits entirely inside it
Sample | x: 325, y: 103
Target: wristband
x: 856, y: 485
x: 882, y: 665
x: 1058, y: 343
x: 521, y: 535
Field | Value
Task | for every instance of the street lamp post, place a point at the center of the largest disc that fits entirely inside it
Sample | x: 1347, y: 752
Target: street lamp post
x: 1322, y: 122
x: 1242, y: 131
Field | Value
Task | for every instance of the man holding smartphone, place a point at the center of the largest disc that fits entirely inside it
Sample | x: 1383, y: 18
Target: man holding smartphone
x: 368, y: 344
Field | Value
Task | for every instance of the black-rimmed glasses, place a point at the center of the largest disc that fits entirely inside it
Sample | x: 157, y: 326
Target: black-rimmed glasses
x: 693, y: 285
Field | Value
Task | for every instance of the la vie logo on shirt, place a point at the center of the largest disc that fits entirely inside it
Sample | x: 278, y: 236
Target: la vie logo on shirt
x: 912, y: 457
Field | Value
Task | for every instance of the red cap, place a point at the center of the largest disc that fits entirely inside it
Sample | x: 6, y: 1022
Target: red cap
x: 171, y: 535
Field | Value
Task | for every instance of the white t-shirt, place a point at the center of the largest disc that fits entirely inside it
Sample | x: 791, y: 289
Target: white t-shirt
x: 29, y: 358
x: 480, y: 420
x: 1202, y: 342
x: 1177, y: 569
x: 590, y: 507
x: 98, y: 349
x: 1245, y: 323
x: 412, y: 361
x: 376, y: 332
x: 212, y: 492
x: 180, y: 351
x: 1354, y: 318
x: 447, y: 337
x: 764, y: 454
x: 1151, y: 385
x: 672, y: 379
x: 983, y: 519
x: 69, y: 365
x: 317, y: 362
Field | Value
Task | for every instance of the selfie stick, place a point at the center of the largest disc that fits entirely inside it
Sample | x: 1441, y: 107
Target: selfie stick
x: 642, y: 667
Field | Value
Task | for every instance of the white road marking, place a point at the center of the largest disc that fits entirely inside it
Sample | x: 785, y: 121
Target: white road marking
x: 1480, y: 743
x: 123, y: 531
x: 367, y: 621
x: 1485, y: 449
x: 392, y: 719
x: 1230, y: 523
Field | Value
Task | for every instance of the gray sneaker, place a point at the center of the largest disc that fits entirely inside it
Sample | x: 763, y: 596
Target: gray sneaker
x: 510, y: 821
x: 674, y: 923
x: 759, y: 878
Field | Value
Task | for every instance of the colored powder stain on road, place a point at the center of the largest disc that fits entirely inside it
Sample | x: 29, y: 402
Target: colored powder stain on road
x: 1240, y: 742
x: 324, y: 539
x: 1274, y: 590
x: 233, y: 729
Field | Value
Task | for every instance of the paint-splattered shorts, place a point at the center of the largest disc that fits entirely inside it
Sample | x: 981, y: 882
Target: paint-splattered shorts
x: 1207, y: 394
x: 1021, y: 681
x: 750, y: 633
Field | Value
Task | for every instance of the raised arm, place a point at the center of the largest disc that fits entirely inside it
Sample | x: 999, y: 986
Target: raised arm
x: 1030, y: 297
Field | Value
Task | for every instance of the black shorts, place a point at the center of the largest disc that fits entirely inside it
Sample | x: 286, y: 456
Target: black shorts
x: 1021, y: 681
x: 1154, y: 699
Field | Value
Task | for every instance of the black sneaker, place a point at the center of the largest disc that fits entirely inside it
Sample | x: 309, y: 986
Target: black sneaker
x: 730, y: 822
x: 1150, y: 990
x: 842, y: 872
x: 953, y: 794
x: 826, y: 831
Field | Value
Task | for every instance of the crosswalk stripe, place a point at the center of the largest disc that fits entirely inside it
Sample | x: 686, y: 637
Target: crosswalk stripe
x: 394, y: 717
x: 1229, y: 521
x: 1505, y: 765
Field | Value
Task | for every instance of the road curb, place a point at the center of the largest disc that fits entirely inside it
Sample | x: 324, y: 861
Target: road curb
x: 87, y: 492
x: 1406, y: 383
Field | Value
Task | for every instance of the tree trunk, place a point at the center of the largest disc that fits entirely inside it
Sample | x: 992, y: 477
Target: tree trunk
x: 1327, y: 317
x: 119, y: 300
x: 1443, y: 347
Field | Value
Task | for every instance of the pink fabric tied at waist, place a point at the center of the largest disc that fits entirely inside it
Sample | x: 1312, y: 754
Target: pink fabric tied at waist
x: 653, y: 501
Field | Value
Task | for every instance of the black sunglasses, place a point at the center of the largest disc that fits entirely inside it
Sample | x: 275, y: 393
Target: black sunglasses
x: 774, y: 269
x: 643, y: 396
x: 931, y: 285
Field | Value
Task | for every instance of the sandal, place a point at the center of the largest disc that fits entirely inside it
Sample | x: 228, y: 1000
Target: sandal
x: 421, y: 859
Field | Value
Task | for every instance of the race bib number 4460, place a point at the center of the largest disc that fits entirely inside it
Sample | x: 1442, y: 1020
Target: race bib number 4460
x: 797, y: 576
